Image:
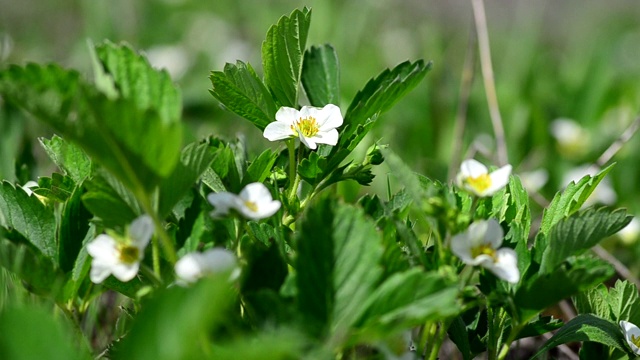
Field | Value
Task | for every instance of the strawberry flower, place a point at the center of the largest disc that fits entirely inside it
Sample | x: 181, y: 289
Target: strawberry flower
x: 194, y: 266
x: 475, y: 178
x: 254, y: 202
x: 311, y: 125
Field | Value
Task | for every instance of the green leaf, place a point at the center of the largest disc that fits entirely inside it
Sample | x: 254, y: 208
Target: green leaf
x: 279, y: 344
x: 574, y: 234
x: 337, y: 265
x: 68, y: 157
x: 135, y: 79
x: 29, y: 217
x: 240, y: 90
x: 178, y: 318
x: 407, y: 299
x: 74, y: 224
x: 137, y: 145
x: 311, y: 168
x: 586, y: 327
x: 571, y: 199
x: 624, y: 301
x: 38, y: 272
x: 594, y: 301
x: 571, y: 277
x: 30, y: 332
x: 57, y: 187
x: 458, y: 334
x: 194, y: 160
x: 260, y: 168
x: 540, y: 326
x: 282, y: 52
x: 105, y: 200
x: 321, y: 75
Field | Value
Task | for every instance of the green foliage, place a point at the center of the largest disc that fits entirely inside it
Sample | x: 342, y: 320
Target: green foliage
x: 34, y: 333
x: 574, y: 234
x: 29, y: 217
x: 321, y: 75
x: 69, y: 158
x: 240, y: 90
x: 282, y: 55
x: 586, y: 327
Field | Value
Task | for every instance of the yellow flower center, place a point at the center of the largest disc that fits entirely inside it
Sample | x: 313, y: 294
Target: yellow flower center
x: 129, y: 254
x: 480, y: 183
x: 635, y: 340
x: 251, y: 205
x: 308, y: 127
x: 484, y: 249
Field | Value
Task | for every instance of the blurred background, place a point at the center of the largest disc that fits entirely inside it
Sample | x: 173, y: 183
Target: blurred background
x: 567, y: 76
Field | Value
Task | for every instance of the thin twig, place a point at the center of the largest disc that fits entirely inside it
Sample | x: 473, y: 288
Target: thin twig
x: 613, y: 149
x: 489, y: 83
x: 621, y: 269
x: 466, y: 81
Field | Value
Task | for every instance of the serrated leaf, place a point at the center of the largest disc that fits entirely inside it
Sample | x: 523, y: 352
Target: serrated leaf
x: 407, y: 299
x: 311, y: 168
x: 240, y: 90
x: 178, y: 317
x: 321, y: 75
x: 571, y: 199
x: 572, y: 277
x: 337, y: 265
x: 68, y: 157
x: 117, y: 133
x: 29, y: 217
x: 458, y: 334
x: 260, y: 168
x: 574, y: 234
x: 586, y: 327
x: 135, y: 79
x: 58, y: 187
x: 74, y: 224
x: 625, y: 302
x: 594, y: 301
x: 540, y: 326
x: 194, y: 160
x: 282, y: 52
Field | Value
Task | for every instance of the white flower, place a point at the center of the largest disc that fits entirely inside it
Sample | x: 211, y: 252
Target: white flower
x: 629, y: 234
x: 479, y: 246
x: 311, y: 124
x: 194, y: 266
x: 534, y: 180
x: 254, y: 202
x: 120, y: 256
x: 475, y: 178
x: 573, y: 139
x: 632, y: 335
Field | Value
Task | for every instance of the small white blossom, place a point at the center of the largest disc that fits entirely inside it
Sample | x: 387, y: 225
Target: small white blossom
x: 311, y: 125
x: 475, y: 178
x: 632, y: 335
x: 194, y: 266
x: 573, y: 139
x: 479, y: 245
x: 534, y: 180
x: 120, y: 256
x: 629, y: 234
x: 254, y: 202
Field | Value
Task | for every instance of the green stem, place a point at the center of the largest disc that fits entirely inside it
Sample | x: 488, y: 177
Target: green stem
x: 515, y: 330
x: 152, y: 275
x: 291, y: 146
x: 296, y: 178
x: 160, y: 232
x: 438, y: 340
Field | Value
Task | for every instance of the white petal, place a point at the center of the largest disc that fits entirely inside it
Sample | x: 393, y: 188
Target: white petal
x: 103, y: 247
x: 125, y: 272
x: 222, y: 203
x: 255, y: 192
x: 141, y: 231
x: 219, y: 260
x: 460, y: 246
x: 630, y: 330
x: 330, y: 118
x: 287, y: 115
x: 493, y: 233
x: 308, y: 142
x: 472, y: 168
x: 330, y: 137
x: 499, y: 179
x: 99, y: 272
x: 278, y: 131
x: 188, y: 268
x: 506, y: 266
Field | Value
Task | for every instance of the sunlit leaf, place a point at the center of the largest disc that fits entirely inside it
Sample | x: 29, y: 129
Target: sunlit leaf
x: 321, y: 75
